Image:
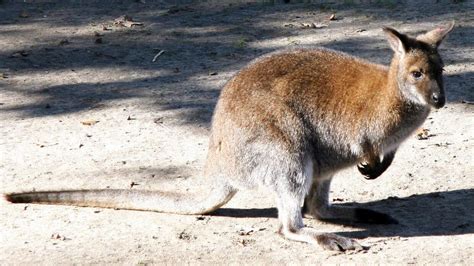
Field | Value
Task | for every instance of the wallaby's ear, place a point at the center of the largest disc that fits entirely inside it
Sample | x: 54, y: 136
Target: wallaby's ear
x: 396, y: 40
x: 434, y: 37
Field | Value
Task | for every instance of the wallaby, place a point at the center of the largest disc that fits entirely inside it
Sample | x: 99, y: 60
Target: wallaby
x: 289, y: 121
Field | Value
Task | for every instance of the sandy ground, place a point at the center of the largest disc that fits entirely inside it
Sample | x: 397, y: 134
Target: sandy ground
x: 66, y: 64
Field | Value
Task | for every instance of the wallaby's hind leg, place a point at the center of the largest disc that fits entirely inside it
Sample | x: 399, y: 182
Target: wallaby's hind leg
x: 290, y: 191
x: 317, y: 205
x: 292, y: 227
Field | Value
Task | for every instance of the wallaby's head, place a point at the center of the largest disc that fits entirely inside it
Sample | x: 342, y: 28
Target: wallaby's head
x: 419, y: 66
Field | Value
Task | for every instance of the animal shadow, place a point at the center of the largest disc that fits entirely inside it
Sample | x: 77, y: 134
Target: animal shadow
x: 430, y: 214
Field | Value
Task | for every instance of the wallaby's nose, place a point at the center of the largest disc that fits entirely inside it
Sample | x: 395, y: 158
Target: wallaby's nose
x: 438, y: 100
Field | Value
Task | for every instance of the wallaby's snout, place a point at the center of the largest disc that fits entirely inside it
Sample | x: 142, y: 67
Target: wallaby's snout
x: 438, y: 96
x: 438, y: 100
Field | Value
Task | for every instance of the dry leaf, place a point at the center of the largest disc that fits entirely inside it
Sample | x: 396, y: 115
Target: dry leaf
x: 423, y: 133
x: 332, y: 16
x: 89, y: 122
x: 133, y: 184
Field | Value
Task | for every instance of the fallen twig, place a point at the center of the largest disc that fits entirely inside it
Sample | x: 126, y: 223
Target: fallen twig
x: 157, y: 55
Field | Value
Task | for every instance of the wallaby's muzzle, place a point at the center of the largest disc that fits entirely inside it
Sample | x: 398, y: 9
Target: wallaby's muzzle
x: 437, y: 100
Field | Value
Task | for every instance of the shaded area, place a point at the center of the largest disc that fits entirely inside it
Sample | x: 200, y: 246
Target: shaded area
x: 246, y: 213
x: 197, y: 40
x: 436, y: 213
x: 415, y: 214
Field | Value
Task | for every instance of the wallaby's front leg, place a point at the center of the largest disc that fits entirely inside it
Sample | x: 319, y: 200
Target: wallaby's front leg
x: 316, y: 205
x: 373, y: 166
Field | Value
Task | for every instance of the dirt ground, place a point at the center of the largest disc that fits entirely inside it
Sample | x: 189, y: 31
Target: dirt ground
x: 84, y: 105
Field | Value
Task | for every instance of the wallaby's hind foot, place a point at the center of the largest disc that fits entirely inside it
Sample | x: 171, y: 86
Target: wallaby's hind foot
x: 292, y: 227
x: 337, y: 243
x: 327, y: 241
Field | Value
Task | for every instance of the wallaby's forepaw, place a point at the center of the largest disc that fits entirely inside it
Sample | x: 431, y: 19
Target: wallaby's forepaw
x: 337, y: 243
x: 374, y: 167
x: 370, y: 171
x: 373, y: 217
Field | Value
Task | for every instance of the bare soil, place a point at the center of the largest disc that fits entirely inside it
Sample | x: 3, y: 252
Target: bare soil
x: 83, y: 105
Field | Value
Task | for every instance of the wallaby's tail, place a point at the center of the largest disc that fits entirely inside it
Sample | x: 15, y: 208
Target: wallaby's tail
x: 130, y: 199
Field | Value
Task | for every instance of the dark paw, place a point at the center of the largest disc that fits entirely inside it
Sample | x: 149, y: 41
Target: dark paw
x: 373, y: 217
x: 337, y: 243
x: 368, y: 171
x: 374, y: 168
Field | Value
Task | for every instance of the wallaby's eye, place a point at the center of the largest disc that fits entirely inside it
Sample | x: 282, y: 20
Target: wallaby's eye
x: 416, y: 74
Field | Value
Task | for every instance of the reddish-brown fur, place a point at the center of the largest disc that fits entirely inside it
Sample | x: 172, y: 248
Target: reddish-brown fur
x: 302, y: 77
